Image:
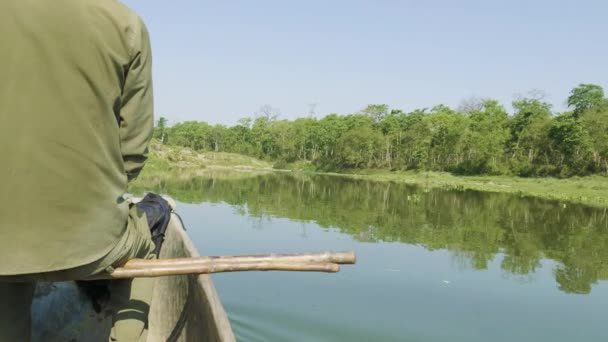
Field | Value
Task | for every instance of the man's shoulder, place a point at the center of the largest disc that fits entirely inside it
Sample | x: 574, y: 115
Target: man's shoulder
x: 117, y: 8
x: 122, y: 17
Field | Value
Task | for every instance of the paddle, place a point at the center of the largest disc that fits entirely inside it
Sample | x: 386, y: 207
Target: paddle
x: 309, y: 262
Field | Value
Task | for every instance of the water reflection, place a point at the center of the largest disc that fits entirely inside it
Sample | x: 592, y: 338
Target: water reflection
x: 476, y: 227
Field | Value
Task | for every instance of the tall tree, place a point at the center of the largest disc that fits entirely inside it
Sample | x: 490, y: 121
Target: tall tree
x: 485, y: 140
x: 376, y: 112
x: 595, y: 121
x: 585, y: 96
x: 446, y: 128
x: 529, y: 136
x: 572, y: 145
x: 160, y: 129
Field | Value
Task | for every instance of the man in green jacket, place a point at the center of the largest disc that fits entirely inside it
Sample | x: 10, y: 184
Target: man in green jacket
x: 76, y: 117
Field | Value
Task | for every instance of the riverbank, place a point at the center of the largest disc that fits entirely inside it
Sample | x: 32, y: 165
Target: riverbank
x: 164, y: 158
x: 592, y: 190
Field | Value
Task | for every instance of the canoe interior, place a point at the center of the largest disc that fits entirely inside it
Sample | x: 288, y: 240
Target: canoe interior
x: 184, y: 308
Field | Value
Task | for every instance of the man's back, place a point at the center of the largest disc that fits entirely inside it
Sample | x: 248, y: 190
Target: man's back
x: 75, y: 118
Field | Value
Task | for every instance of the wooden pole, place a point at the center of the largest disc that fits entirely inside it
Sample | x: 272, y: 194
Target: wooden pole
x: 309, y: 262
x: 312, y: 258
x: 218, y: 267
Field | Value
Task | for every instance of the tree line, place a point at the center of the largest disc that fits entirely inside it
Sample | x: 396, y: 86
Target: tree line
x: 479, y: 137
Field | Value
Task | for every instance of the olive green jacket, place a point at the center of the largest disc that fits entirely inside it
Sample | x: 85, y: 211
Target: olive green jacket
x: 76, y: 117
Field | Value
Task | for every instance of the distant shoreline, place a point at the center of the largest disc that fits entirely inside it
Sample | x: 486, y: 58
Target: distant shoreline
x: 589, y: 190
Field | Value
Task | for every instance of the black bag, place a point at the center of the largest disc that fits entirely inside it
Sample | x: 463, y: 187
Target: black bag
x: 158, y: 212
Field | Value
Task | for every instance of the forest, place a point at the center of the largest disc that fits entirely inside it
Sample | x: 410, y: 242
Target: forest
x: 480, y: 137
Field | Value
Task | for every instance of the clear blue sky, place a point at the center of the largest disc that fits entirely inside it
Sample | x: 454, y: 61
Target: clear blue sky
x: 218, y: 61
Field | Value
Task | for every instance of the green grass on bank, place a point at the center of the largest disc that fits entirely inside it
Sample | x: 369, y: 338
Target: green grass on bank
x: 223, y: 159
x: 163, y: 157
x: 181, y: 162
x: 591, y: 190
x: 171, y: 162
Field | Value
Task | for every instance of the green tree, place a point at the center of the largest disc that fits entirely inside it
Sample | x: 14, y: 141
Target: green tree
x: 485, y: 139
x: 595, y: 121
x: 376, y: 112
x: 571, y: 143
x: 529, y: 137
x: 284, y: 141
x: 359, y: 147
x: 217, y: 136
x: 585, y: 96
x: 446, y: 128
x: 330, y: 129
x: 191, y: 134
x: 262, y: 136
x: 238, y: 139
x: 160, y: 130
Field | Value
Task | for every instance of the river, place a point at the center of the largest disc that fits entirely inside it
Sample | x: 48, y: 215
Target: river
x: 433, y: 265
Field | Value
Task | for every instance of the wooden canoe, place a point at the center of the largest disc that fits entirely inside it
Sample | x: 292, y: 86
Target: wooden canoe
x: 184, y: 308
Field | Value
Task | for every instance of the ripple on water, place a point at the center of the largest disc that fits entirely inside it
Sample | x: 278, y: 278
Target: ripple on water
x: 265, y: 323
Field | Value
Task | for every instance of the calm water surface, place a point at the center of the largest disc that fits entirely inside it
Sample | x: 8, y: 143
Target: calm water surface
x: 432, y: 265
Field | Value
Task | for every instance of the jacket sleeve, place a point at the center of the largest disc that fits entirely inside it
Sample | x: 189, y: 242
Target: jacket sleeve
x: 137, y: 107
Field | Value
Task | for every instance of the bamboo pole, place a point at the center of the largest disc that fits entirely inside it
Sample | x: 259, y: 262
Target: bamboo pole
x: 323, y: 257
x: 309, y: 262
x: 218, y: 267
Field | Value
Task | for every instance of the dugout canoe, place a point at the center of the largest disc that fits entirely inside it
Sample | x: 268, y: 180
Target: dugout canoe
x: 184, y: 308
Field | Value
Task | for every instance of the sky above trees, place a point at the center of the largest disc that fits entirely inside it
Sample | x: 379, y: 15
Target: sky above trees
x: 220, y: 61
